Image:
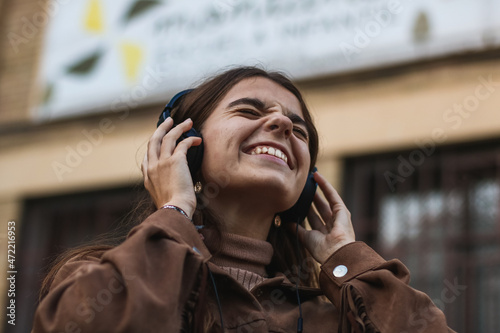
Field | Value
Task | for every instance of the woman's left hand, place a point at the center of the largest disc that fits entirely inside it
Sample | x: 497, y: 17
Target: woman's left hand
x: 333, y: 230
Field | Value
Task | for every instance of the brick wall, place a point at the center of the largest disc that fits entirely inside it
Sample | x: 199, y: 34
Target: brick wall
x: 22, y: 24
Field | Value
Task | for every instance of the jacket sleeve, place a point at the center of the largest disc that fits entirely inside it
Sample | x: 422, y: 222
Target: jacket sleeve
x: 373, y: 295
x: 141, y: 285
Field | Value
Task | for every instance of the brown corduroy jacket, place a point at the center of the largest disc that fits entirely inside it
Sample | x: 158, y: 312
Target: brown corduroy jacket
x: 156, y: 280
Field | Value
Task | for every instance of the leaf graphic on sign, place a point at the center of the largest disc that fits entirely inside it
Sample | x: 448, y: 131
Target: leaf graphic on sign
x: 421, y: 29
x: 139, y: 7
x: 86, y: 65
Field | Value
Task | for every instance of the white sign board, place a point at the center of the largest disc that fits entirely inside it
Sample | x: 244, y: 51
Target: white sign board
x: 108, y: 54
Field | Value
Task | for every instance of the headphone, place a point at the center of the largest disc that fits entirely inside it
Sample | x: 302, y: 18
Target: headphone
x: 195, y: 153
x: 297, y: 213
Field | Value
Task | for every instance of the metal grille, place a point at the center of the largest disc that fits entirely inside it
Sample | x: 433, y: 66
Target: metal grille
x: 438, y: 212
x: 52, y: 225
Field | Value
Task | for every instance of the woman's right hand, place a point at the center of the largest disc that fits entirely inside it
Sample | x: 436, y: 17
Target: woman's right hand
x: 165, y: 168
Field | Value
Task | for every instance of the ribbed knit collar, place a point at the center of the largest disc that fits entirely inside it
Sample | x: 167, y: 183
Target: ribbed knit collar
x: 240, y: 252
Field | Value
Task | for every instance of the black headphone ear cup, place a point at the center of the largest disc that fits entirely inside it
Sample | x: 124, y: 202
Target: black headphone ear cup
x: 300, y: 210
x: 194, y: 154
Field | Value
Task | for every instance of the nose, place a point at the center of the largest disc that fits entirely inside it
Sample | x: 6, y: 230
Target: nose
x: 279, y: 124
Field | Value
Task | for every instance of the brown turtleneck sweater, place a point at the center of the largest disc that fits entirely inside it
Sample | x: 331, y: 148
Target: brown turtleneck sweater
x: 244, y: 258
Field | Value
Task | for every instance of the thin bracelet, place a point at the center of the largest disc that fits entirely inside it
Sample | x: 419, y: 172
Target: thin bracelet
x: 177, y: 209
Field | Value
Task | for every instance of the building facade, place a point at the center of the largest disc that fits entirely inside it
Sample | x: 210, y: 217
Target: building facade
x: 412, y: 144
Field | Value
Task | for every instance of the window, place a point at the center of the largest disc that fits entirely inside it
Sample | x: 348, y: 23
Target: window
x: 52, y: 225
x: 437, y: 210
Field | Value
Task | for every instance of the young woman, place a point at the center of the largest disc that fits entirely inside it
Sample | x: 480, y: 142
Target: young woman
x: 221, y: 259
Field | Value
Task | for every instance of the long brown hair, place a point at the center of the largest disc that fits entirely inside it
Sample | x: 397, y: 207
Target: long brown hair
x: 198, y: 105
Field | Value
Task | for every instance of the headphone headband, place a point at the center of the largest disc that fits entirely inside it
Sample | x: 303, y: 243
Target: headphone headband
x: 171, y: 105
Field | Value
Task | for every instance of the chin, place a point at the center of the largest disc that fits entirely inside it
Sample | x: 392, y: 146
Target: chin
x: 265, y: 184
x: 281, y: 195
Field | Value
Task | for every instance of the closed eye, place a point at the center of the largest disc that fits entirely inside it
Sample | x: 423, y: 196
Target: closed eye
x: 249, y: 111
x: 301, y: 132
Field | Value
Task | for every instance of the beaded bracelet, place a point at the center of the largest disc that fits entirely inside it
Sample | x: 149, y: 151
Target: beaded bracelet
x: 177, y: 209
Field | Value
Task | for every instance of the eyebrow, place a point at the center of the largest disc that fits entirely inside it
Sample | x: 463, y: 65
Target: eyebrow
x: 261, y: 106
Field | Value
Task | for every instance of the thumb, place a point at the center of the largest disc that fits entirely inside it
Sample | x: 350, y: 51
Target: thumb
x: 310, y: 239
x: 299, y: 231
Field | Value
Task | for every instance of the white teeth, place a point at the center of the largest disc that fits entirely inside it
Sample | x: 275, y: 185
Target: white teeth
x: 270, y: 151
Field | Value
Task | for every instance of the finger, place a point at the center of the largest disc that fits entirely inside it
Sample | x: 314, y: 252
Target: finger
x: 169, y: 140
x: 144, y: 164
x: 299, y: 231
x: 187, y: 143
x: 315, y: 221
x: 144, y: 170
x: 323, y: 207
x: 154, y: 143
x: 330, y: 193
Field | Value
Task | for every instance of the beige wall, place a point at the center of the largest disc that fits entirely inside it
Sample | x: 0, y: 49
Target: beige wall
x: 406, y: 110
x: 391, y: 113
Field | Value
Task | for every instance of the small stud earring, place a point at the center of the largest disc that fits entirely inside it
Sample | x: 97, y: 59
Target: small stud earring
x: 198, y: 188
x: 277, y: 221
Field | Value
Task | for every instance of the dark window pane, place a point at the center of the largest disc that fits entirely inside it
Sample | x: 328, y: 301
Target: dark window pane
x: 441, y: 218
x: 53, y: 224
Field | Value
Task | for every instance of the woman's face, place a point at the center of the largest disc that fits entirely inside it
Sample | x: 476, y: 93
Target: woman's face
x: 256, y: 146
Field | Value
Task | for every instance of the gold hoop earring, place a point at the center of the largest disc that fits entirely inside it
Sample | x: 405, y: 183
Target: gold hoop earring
x: 198, y: 188
x: 277, y: 221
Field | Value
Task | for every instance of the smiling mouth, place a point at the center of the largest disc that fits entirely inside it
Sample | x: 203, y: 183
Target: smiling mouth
x: 259, y: 150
